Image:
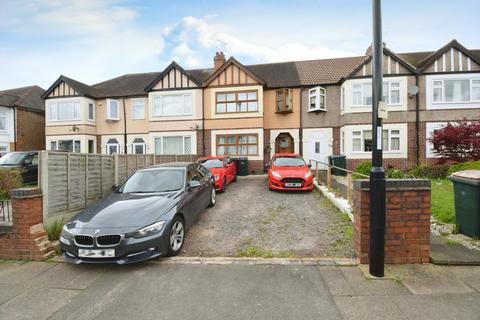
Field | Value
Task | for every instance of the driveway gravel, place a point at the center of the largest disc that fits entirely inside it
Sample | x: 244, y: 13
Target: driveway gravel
x: 250, y: 220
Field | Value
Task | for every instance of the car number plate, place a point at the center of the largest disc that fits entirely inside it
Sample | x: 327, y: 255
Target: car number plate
x: 293, y: 185
x: 88, y: 253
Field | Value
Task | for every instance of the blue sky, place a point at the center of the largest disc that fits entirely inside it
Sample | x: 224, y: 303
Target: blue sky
x: 94, y: 40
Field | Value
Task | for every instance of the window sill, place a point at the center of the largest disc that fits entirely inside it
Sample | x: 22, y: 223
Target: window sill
x: 317, y: 110
x: 284, y: 111
x: 171, y: 115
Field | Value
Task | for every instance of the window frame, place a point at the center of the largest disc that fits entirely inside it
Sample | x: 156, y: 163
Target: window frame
x: 236, y: 101
x: 442, y: 88
x: 134, y: 102
x: 3, y: 115
x: 236, y: 144
x: 142, y: 144
x: 91, y: 104
x: 192, y: 145
x: 116, y: 145
x: 317, y: 93
x: 57, y: 142
x: 390, y: 136
x: 56, y: 106
x: 286, y: 101
x: 361, y: 91
x: 162, y: 96
x: 109, y: 107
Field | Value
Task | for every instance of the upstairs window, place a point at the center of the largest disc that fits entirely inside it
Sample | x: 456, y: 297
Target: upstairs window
x: 3, y: 121
x: 342, y: 98
x: 138, y: 109
x: 64, y: 111
x: 284, y: 100
x: 316, y: 99
x: 113, y: 110
x: 113, y: 146
x: 138, y: 146
x: 236, y: 102
x: 362, y: 93
x: 173, y: 105
x: 456, y: 90
x: 91, y: 111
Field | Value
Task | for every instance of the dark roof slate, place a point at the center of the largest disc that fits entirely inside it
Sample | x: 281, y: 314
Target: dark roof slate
x: 25, y: 97
x: 126, y: 85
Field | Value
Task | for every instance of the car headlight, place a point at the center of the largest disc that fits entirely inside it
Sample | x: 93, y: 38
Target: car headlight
x: 308, y: 174
x: 66, y: 233
x: 149, y: 230
x: 276, y: 174
x: 217, y: 177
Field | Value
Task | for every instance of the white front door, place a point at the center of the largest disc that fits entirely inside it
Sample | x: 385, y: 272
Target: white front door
x: 318, y: 149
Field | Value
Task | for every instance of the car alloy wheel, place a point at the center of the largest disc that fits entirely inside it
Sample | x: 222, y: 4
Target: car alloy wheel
x: 213, y: 198
x: 177, y: 236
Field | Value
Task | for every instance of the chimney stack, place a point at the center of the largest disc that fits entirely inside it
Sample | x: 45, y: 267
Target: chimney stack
x: 218, y: 60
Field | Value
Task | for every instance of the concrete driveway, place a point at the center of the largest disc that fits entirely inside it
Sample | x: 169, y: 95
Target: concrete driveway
x: 250, y: 220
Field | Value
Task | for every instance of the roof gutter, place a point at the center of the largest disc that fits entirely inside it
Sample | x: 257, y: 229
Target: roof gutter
x: 124, y: 126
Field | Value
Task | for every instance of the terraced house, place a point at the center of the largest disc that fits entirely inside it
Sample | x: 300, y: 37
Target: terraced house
x: 316, y: 108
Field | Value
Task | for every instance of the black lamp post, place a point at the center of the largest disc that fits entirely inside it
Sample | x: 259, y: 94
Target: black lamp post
x: 377, y: 174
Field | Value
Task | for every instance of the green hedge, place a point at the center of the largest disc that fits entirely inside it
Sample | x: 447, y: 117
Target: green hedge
x: 366, y: 166
x: 430, y: 172
x: 472, y: 165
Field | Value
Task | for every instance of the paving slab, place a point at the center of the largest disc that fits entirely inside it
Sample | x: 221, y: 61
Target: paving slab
x: 430, y: 279
x: 36, y: 303
x: 23, y: 273
x: 369, y: 308
x: 336, y: 281
x: 368, y: 287
x: 445, y: 253
x: 469, y: 275
x: 161, y: 291
x: 8, y: 291
x: 440, y: 306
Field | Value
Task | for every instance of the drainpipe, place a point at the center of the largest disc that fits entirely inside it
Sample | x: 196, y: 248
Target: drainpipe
x: 124, y: 125
x: 203, y: 123
x: 300, y: 131
x: 14, y: 130
x: 417, y: 125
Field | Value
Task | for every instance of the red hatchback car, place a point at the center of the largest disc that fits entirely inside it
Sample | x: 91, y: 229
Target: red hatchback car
x: 289, y: 172
x: 223, y: 169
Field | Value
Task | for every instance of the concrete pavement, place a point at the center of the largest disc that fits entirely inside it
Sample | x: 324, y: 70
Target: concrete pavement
x: 41, y: 290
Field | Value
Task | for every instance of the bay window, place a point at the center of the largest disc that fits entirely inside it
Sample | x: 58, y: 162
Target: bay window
x: 284, y: 100
x: 172, y: 105
x: 65, y: 145
x: 173, y: 145
x: 362, y: 93
x: 64, y: 111
x: 3, y: 121
x: 456, y: 90
x: 113, y: 109
x: 237, y: 144
x: 91, y: 111
x: 138, y: 110
x: 362, y: 140
x: 236, y: 102
x: 316, y: 99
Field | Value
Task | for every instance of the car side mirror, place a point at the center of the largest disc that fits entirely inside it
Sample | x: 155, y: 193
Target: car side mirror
x: 193, y: 184
x: 115, y: 187
x: 309, y: 165
x: 27, y: 162
x: 267, y: 166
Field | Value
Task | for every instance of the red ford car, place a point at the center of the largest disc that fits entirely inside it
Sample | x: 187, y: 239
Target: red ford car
x: 289, y: 172
x: 223, y: 169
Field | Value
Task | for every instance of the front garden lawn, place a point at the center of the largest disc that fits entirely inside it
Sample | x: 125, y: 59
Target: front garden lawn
x: 443, y: 207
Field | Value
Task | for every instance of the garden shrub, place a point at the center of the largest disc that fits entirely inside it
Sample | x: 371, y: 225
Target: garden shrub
x: 394, y: 174
x: 472, y: 165
x: 9, y: 179
x: 363, y: 168
x: 430, y: 172
x: 54, y: 230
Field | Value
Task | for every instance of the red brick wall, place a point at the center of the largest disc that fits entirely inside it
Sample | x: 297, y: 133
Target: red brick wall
x: 267, y: 153
x: 336, y: 140
x: 407, y: 221
x: 30, y: 130
x: 27, y: 239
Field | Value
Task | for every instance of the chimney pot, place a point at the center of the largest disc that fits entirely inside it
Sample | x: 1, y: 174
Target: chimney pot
x: 218, y: 60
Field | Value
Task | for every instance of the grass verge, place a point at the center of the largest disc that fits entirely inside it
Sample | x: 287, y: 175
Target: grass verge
x: 443, y: 206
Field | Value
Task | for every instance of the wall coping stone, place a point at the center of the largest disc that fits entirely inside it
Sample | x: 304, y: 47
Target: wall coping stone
x: 395, y: 184
x: 25, y: 193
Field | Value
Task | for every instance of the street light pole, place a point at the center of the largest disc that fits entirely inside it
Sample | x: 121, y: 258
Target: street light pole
x: 377, y: 174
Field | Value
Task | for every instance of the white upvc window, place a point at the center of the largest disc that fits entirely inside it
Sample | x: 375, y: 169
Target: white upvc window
x: 362, y: 93
x: 73, y: 145
x: 173, y: 145
x: 317, y: 99
x: 173, y: 105
x: 64, y: 111
x: 113, y: 109
x: 362, y: 140
x: 138, y: 146
x: 342, y: 142
x: 138, y: 109
x: 456, y: 90
x: 91, y: 111
x: 3, y: 121
x: 342, y: 99
x: 113, y: 146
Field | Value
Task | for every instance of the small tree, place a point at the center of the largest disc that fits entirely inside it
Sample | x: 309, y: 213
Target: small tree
x: 458, y: 141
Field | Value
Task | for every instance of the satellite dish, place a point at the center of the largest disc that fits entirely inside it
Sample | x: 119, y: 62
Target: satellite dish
x: 412, y: 90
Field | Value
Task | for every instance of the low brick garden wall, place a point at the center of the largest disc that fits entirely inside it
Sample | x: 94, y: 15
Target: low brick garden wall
x: 407, y: 221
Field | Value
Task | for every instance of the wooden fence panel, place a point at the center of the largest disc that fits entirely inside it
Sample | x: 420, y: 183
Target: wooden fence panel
x: 57, y: 183
x: 76, y: 181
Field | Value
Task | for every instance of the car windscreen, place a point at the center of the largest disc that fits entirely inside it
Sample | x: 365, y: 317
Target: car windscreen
x: 211, y: 163
x: 12, y: 159
x: 288, y: 162
x: 154, y: 181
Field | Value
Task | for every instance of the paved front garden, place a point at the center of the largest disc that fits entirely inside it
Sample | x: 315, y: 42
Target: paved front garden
x: 249, y: 220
